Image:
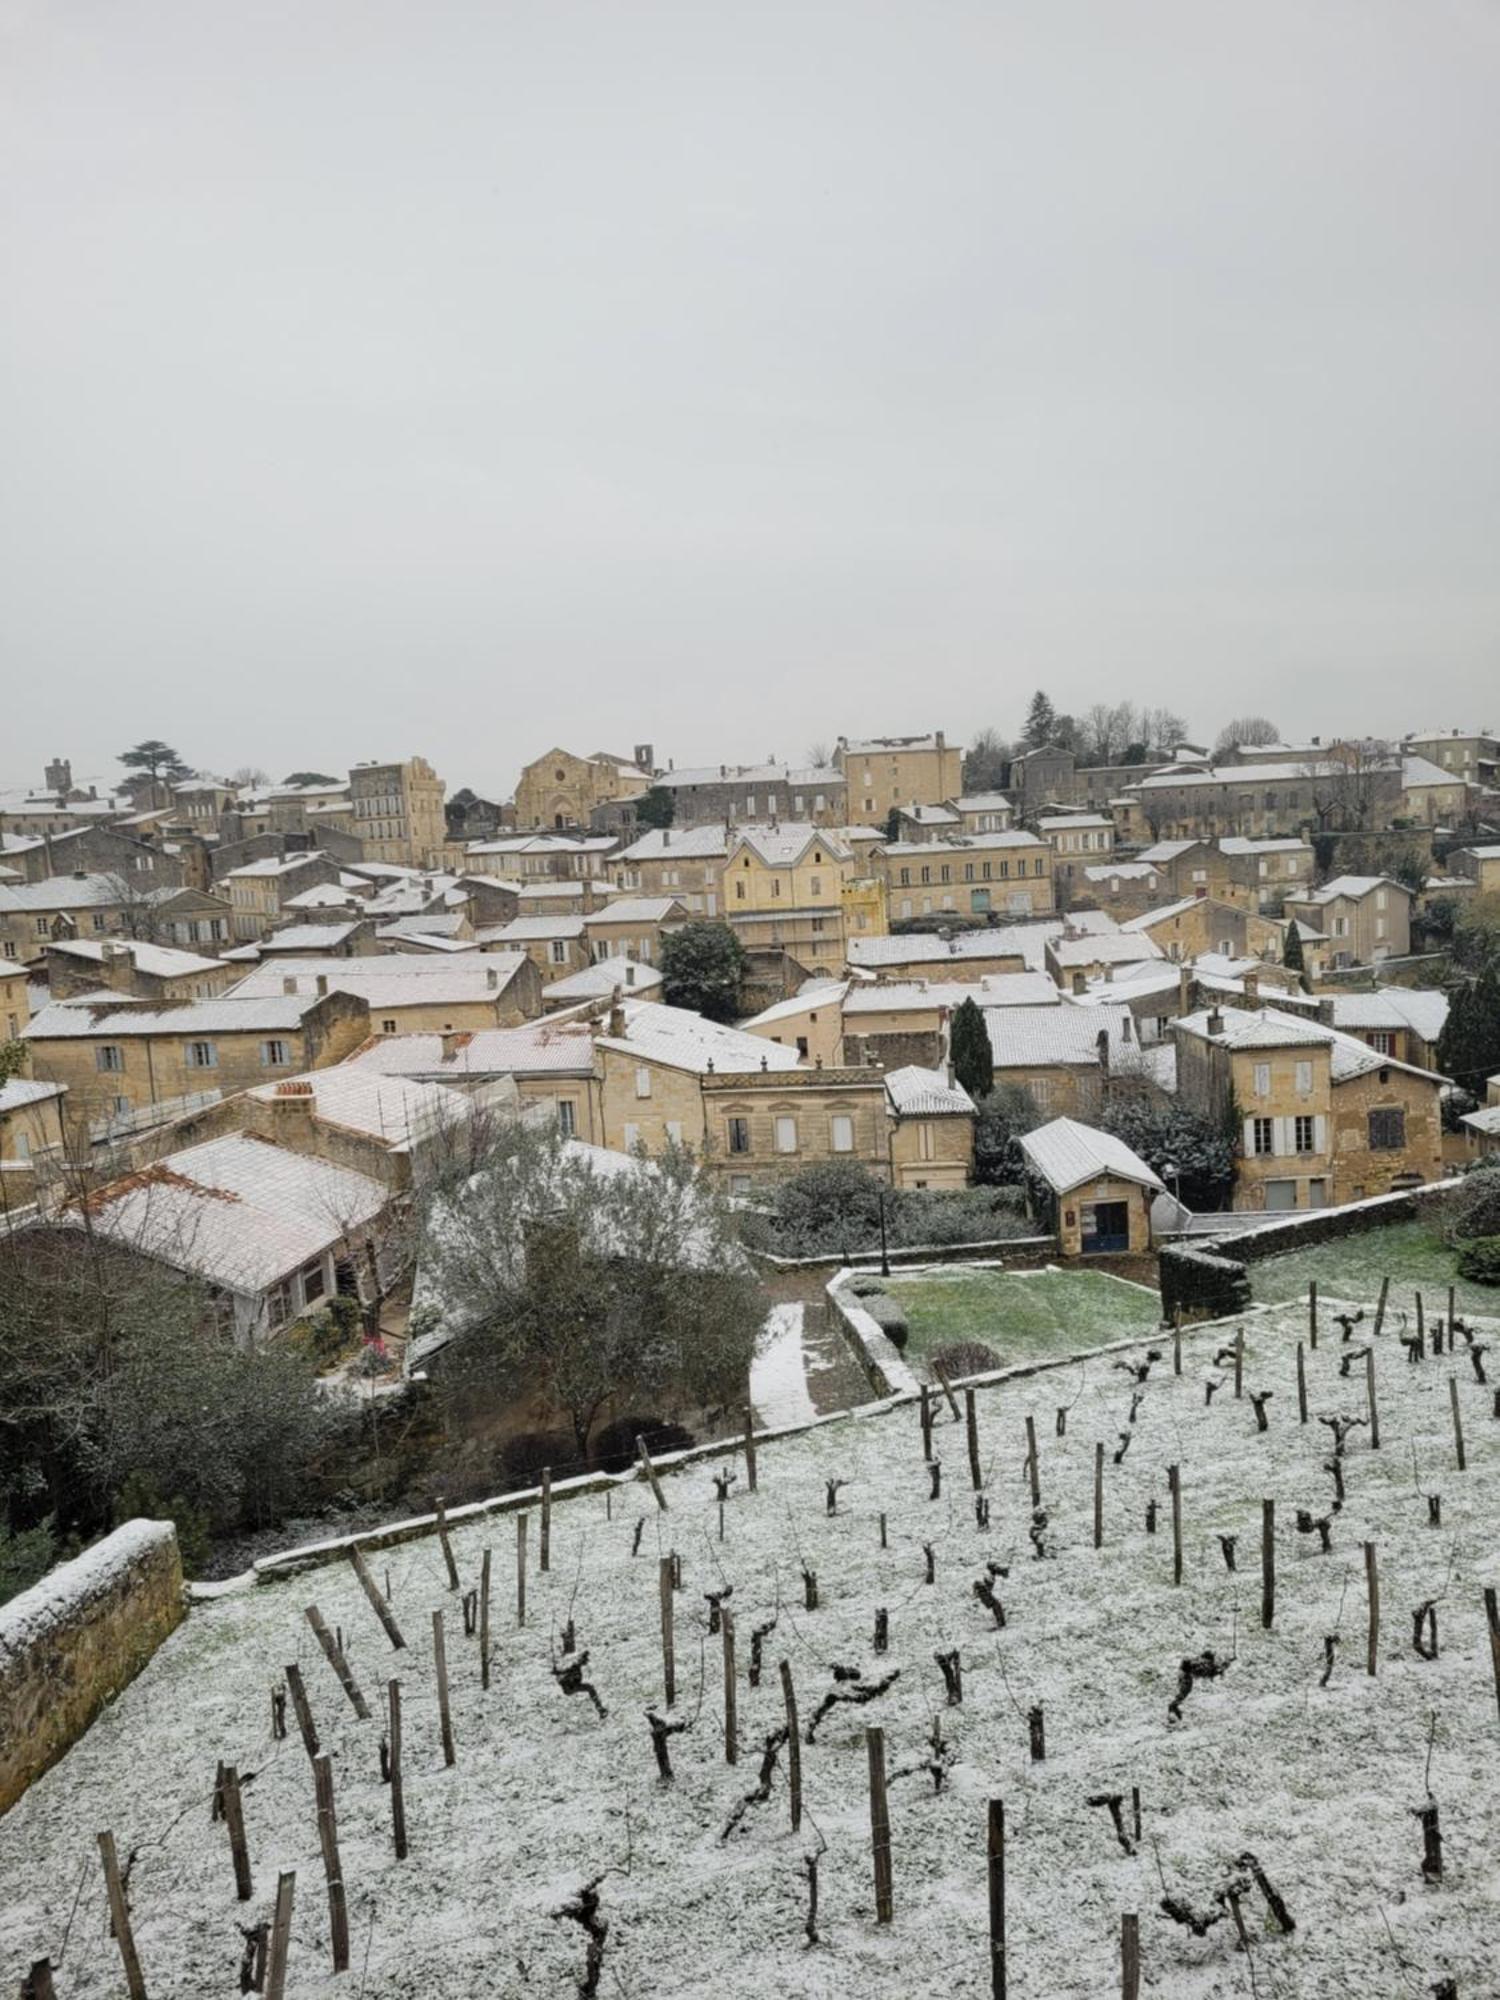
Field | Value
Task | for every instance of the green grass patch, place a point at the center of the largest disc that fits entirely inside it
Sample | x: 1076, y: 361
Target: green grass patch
x: 1023, y: 1315
x: 1411, y: 1254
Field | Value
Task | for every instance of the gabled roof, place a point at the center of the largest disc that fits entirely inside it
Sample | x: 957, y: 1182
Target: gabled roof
x: 1424, y: 1010
x: 1067, y: 1154
x: 597, y: 981
x: 915, y: 1092
x: 395, y: 978
x: 22, y: 1091
x: 638, y: 910
x: 1120, y: 871
x: 387, y: 1107
x: 684, y: 1040
x: 815, y: 993
x: 1004, y: 840
x: 1269, y: 1028
x: 157, y: 961
x: 1168, y: 850
x: 975, y: 802
x: 539, y: 1048
x: 1056, y: 1037
x: 1070, y: 822
x: 1233, y: 843
x: 1354, y: 887
x: 1128, y: 946
x: 784, y: 845
x: 534, y: 930
x: 679, y: 843
x: 229, y: 1014
x: 312, y: 938
x: 995, y: 989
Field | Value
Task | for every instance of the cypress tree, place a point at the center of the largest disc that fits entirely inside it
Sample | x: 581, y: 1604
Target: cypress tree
x: 1041, y: 721
x: 1469, y: 1048
x: 969, y: 1047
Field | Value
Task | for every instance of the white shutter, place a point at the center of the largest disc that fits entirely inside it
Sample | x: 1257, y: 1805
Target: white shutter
x: 1249, y: 1138
x: 1320, y: 1133
x: 1286, y: 1138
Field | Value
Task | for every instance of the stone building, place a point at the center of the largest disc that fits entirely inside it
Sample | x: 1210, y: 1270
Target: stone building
x: 799, y: 888
x: 259, y: 891
x: 882, y: 772
x: 412, y: 992
x: 1101, y: 1190
x: 561, y: 789
x: 31, y: 1138
x: 1365, y: 918
x: 931, y: 1128
x: 1186, y: 929
x: 968, y: 875
x: 727, y: 795
x: 397, y: 811
x: 159, y: 973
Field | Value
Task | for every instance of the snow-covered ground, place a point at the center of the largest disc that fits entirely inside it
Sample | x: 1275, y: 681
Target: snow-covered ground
x: 778, y: 1374
x: 1318, y: 1782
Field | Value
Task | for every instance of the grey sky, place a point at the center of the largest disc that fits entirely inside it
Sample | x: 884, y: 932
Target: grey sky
x: 463, y: 378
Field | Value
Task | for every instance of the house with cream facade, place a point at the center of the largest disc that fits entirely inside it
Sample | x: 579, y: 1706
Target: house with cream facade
x: 882, y: 772
x: 397, y: 811
x: 1365, y: 918
x: 684, y: 862
x: 798, y: 889
x: 969, y: 875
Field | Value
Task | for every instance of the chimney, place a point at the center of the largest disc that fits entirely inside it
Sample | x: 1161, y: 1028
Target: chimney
x: 288, y: 983
x: 452, y: 1041
x: 1101, y: 1041
x: 1252, y: 987
x: 491, y: 977
x: 1184, y: 990
x: 666, y: 836
x: 1125, y: 1028
x: 79, y: 874
x: 322, y: 984
x: 630, y: 972
x: 1215, y: 1024
x: 294, y: 1099
x: 616, y: 1017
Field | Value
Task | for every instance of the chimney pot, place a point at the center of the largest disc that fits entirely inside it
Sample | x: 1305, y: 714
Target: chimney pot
x: 288, y: 983
x: 322, y: 983
x: 1215, y: 1022
x: 492, y: 977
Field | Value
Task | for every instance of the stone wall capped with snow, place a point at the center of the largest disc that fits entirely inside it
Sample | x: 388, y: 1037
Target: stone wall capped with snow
x: 76, y: 1638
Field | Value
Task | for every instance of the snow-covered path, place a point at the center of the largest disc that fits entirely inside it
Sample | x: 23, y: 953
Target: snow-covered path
x: 778, y: 1374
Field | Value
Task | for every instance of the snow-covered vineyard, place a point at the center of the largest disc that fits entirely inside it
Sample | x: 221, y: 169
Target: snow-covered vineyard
x: 1277, y: 1771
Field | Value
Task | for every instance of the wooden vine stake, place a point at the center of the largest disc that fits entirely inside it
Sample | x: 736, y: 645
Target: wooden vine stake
x: 442, y: 1528
x: 521, y: 1569
x: 668, y: 1645
x: 794, y: 1744
x: 398, y: 1796
x: 234, y: 1820
x: 1239, y: 1363
x: 650, y: 1471
x: 119, y: 1914
x: 996, y: 1871
x: 1385, y: 1292
x: 924, y: 1410
x: 378, y: 1604
x: 484, y: 1621
x: 1370, y: 1400
x: 1099, y: 1494
x: 750, y: 1468
x: 544, y: 1547
x: 37, y: 1985
x: 731, y: 1720
x: 1458, y: 1423
x: 328, y: 1841
x: 1312, y: 1314
x: 281, y: 1935
x: 880, y: 1824
x: 1372, y: 1589
x: 1492, y: 1619
x: 1174, y: 1486
x: 333, y: 1652
x: 303, y: 1710
x: 1032, y: 1465
x: 1301, y: 1385
x: 971, y: 1426
x: 1268, y: 1563
x: 1130, y: 1958
x: 440, y: 1661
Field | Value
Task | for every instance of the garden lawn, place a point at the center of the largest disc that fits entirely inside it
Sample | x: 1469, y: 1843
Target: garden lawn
x: 1412, y: 1255
x: 1023, y: 1315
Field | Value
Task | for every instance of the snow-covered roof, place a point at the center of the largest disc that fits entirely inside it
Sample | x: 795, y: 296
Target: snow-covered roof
x: 930, y: 815
x: 230, y: 1014
x: 273, y: 864
x: 1062, y: 1036
x: 1120, y: 871
x: 679, y: 843
x: 685, y: 1040
x: 915, y: 1092
x: 535, y: 930
x: 600, y: 979
x: 1419, y: 771
x: 1071, y: 822
x: 1486, y: 1120
x: 977, y: 802
x: 1067, y: 1154
x: 784, y: 845
x: 921, y: 948
x: 236, y: 1211
x: 157, y: 961
x: 1233, y: 843
x: 1352, y: 886
x: 539, y: 1048
x: 995, y: 989
x: 21, y: 1091
x: 1423, y: 1009
x: 1128, y: 946
x: 396, y: 978
x: 381, y: 1106
x: 874, y: 746
x: 67, y: 892
x: 1270, y: 1028
x: 637, y: 910
x: 1167, y: 850
x: 814, y: 993
x: 325, y: 896
x: 310, y: 937
x: 1006, y: 841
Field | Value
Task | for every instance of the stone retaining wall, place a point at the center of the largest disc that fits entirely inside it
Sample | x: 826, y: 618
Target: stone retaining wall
x: 71, y: 1642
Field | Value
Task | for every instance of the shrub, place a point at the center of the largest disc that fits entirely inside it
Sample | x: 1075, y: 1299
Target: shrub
x: 1473, y: 1208
x: 614, y: 1446
x: 964, y: 1357
x: 1480, y: 1260
x: 866, y: 1287
x: 890, y: 1318
x: 524, y: 1457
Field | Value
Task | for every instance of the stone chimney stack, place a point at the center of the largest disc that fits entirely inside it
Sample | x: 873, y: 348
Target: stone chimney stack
x: 1101, y: 1042
x: 1252, y: 988
x: 1215, y: 1024
x: 1184, y: 990
x: 294, y: 1103
x: 616, y: 1016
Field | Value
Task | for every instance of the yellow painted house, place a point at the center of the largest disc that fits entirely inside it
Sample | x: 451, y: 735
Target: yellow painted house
x: 799, y: 888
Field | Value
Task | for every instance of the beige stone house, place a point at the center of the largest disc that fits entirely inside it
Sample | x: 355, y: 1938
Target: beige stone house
x: 726, y: 795
x: 811, y: 1021
x: 969, y: 875
x: 1123, y: 888
x: 1186, y: 929
x: 259, y: 891
x: 556, y: 946
x: 397, y: 811
x: 409, y: 992
x: 1076, y: 962
x: 601, y: 981
x: 561, y: 789
x: 15, y: 1002
x: 1470, y: 755
x: 1479, y: 865
x: 885, y: 771
x: 895, y: 1023
x: 1431, y: 795
x: 1324, y: 1118
x: 1078, y: 841
x: 1402, y: 1021
x: 931, y: 1128
x: 543, y: 857
x: 983, y: 812
x: 797, y: 888
x: 155, y: 972
x: 633, y: 927
x: 31, y: 1138
x: 1065, y: 1056
x: 125, y: 1063
x: 1101, y: 1190
x: 1366, y: 918
x: 685, y: 862
x: 549, y: 1063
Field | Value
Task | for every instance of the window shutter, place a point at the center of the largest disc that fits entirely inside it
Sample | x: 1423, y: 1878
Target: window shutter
x: 1249, y: 1139
x: 1320, y: 1133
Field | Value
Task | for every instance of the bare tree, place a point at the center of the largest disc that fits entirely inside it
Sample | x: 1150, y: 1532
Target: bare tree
x: 1350, y: 783
x: 1246, y: 732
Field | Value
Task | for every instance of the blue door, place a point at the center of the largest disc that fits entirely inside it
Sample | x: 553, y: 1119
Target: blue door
x: 1106, y: 1226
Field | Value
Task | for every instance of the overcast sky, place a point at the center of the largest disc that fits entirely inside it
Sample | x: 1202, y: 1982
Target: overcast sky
x: 463, y: 379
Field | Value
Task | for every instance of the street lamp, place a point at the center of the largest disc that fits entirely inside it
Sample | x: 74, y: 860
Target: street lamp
x: 885, y: 1262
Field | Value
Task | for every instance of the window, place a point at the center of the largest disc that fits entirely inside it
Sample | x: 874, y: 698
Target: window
x: 201, y: 1055
x: 817, y: 885
x: 23, y: 1146
x: 739, y: 890
x: 559, y: 951
x: 274, y: 1055
x: 643, y: 1083
x: 109, y: 1056
x: 739, y: 1135
x: 739, y: 1184
x: 1263, y: 1137
x: 567, y: 1117
x: 674, y: 1131
x: 925, y: 1146
x: 841, y: 1132
x: 1263, y: 1079
x: 775, y: 885
x: 314, y: 1282
x: 1382, y: 1041
x: 1304, y: 1078
x: 388, y: 1027
x: 278, y: 1306
x: 632, y: 1137
x: 786, y: 1135
x: 1387, y: 1131
x: 1305, y: 1134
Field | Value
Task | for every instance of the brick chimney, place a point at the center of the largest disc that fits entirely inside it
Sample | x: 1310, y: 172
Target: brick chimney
x: 294, y: 1101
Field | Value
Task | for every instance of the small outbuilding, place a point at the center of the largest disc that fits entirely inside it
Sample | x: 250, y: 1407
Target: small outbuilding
x: 1100, y: 1190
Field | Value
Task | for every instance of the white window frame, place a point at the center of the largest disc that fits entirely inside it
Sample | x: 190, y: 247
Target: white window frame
x: 841, y: 1132
x: 786, y: 1133
x: 642, y: 1081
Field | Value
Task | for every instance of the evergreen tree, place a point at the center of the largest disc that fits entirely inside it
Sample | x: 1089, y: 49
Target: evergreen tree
x: 893, y: 823
x: 969, y: 1048
x: 1469, y: 1049
x: 702, y: 966
x: 658, y: 807
x: 1292, y: 955
x: 1041, y: 721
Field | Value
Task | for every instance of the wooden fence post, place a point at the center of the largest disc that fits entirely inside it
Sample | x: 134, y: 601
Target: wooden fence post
x: 334, y: 1654
x: 521, y: 1527
x: 1492, y: 1619
x: 37, y: 1985
x: 328, y: 1841
x: 544, y: 1546
x: 398, y: 1795
x: 303, y: 1710
x: 1372, y: 1587
x: 880, y: 1824
x: 1031, y: 1461
x: 281, y: 1935
x: 1385, y: 1292
x: 750, y: 1469
x: 996, y: 1872
x: 1301, y: 1385
x: 135, y: 1979
x: 484, y: 1621
x: 794, y: 1743
x: 971, y: 1426
x: 1312, y: 1314
x: 1370, y: 1399
x: 1458, y: 1423
x: 1130, y: 1958
x: 234, y: 1819
x: 924, y: 1408
x: 731, y: 1720
x: 378, y: 1603
x: 1174, y: 1485
x: 668, y: 1647
x: 440, y: 1660
x: 1239, y: 1363
x: 1268, y: 1563
x: 442, y: 1528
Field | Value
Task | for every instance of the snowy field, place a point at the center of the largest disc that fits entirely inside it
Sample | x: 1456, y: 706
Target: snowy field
x: 1319, y: 1782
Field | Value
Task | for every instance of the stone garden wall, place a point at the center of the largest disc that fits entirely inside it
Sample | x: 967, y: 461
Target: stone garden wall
x: 72, y: 1641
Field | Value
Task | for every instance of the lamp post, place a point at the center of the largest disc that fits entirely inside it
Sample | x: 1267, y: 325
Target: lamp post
x: 885, y: 1262
x: 1174, y: 1175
